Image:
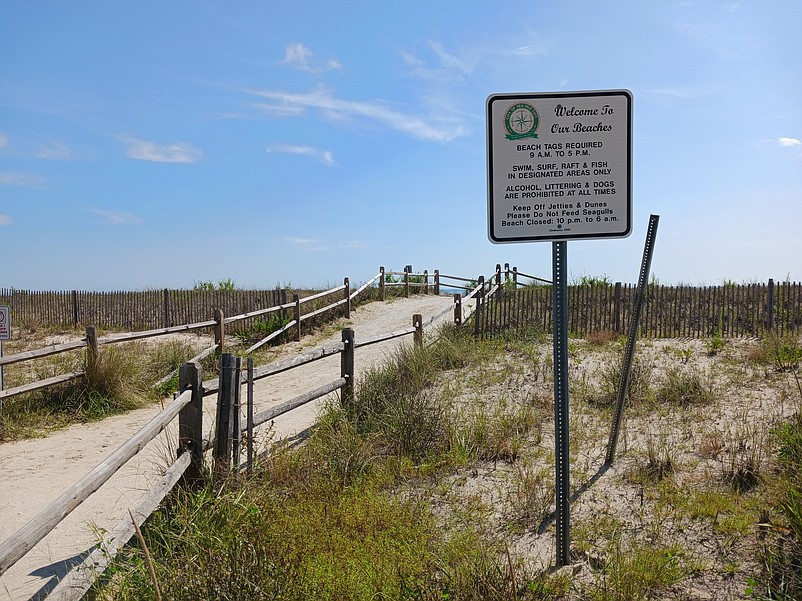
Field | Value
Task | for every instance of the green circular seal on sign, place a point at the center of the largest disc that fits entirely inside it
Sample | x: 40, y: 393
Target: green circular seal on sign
x: 521, y: 121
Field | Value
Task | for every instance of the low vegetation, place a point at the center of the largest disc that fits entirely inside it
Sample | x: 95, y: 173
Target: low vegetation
x: 437, y: 483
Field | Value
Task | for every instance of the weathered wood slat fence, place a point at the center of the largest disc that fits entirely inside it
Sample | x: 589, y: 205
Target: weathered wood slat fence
x: 670, y: 311
x: 141, y: 310
x: 91, y: 342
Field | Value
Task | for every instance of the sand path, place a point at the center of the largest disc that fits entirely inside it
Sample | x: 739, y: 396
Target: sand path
x: 36, y: 472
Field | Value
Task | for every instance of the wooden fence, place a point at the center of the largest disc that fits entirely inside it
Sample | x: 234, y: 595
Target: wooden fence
x: 188, y: 467
x: 669, y: 312
x: 141, y: 310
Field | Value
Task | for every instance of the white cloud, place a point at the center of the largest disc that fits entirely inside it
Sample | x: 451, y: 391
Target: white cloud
x: 5, y: 220
x: 299, y: 56
x: 54, y: 150
x: 301, y: 241
x: 788, y: 142
x: 353, y: 244
x: 324, y: 156
x: 178, y: 152
x: 116, y: 217
x: 25, y: 180
x: 441, y: 129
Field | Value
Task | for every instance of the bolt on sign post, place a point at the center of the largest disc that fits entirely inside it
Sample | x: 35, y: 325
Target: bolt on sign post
x: 559, y: 168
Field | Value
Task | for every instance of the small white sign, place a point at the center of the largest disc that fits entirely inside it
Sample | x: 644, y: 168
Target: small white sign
x: 559, y: 166
x: 5, y: 323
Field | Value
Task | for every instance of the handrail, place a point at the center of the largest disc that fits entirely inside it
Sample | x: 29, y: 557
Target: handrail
x: 384, y: 337
x: 9, y: 392
x: 81, y: 578
x: 365, y: 285
x: 24, y: 539
x: 251, y: 314
x: 113, y: 338
x: 271, y: 336
x: 533, y: 277
x: 411, y: 284
x: 296, y: 402
x: 306, y: 299
x: 453, y: 277
x: 199, y: 357
x: 324, y: 309
x: 45, y: 351
x: 473, y: 292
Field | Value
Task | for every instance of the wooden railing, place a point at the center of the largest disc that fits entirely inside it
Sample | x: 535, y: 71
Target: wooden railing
x: 188, y: 407
x: 91, y: 341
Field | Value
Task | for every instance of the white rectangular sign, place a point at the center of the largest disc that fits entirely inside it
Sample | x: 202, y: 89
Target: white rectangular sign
x: 559, y: 166
x: 5, y: 323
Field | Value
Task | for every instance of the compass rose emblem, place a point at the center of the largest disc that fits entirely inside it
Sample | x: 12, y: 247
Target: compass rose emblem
x: 521, y: 121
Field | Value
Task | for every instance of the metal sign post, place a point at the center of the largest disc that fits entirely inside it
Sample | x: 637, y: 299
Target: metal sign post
x: 561, y: 472
x: 623, y: 386
x: 559, y: 168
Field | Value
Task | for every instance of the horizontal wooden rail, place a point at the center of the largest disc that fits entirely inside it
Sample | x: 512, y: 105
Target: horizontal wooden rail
x: 212, y: 386
x: 402, y: 284
x: 26, y: 538
x: 324, y: 309
x: 298, y: 401
x: 258, y: 313
x: 453, y: 277
x: 388, y: 336
x: 365, y: 285
x: 271, y: 336
x: 81, y: 578
x: 437, y: 316
x: 281, y: 366
x: 473, y: 292
x: 197, y: 358
x: 113, y: 338
x: 492, y: 291
x: 40, y: 384
x: 320, y: 294
x: 532, y: 277
x: 43, y: 352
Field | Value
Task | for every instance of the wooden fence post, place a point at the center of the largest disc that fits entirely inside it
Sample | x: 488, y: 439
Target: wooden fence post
x: 190, y: 421
x: 166, y: 308
x: 417, y: 323
x: 347, y: 366
x: 219, y: 331
x: 406, y: 282
x: 437, y: 282
x: 225, y: 404
x: 381, y: 283
x: 506, y: 272
x: 458, y: 309
x: 75, y: 308
x: 770, y: 306
x: 426, y: 281
x: 498, y: 279
x: 480, y: 301
x: 617, y: 308
x: 91, y: 349
x: 236, y: 412
x: 297, y: 316
x: 515, y: 277
x: 347, y: 283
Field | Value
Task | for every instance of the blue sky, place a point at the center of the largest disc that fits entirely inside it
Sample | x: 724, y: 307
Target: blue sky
x: 156, y: 144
